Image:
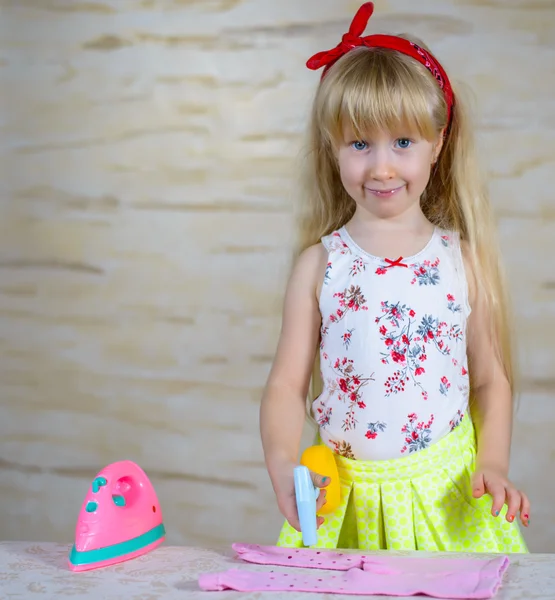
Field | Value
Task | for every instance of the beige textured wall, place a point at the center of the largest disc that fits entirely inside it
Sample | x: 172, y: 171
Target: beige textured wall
x: 148, y: 153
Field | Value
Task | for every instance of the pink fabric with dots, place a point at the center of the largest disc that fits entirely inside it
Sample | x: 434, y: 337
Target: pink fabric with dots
x: 297, y: 557
x: 332, y: 572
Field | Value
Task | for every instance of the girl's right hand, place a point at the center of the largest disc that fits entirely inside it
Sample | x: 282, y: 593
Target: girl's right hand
x: 284, y: 487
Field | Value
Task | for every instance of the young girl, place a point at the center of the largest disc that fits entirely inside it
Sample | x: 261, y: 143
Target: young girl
x: 399, y: 287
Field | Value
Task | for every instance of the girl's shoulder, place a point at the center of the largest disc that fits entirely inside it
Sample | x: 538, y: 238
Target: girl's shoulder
x: 312, y: 257
x: 310, y: 266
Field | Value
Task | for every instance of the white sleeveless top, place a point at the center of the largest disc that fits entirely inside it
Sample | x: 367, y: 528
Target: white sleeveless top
x: 393, y: 348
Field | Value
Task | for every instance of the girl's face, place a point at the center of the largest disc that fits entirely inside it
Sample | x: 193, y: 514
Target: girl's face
x: 386, y: 173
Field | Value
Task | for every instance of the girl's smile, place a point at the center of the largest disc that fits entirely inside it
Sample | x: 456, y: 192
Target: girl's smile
x: 386, y: 193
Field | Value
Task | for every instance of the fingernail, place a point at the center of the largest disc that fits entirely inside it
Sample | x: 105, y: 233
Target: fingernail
x: 510, y: 518
x: 525, y: 517
x: 496, y: 513
x: 325, y: 479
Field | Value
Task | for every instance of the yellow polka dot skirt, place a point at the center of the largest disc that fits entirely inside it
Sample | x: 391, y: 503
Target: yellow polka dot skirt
x: 419, y: 502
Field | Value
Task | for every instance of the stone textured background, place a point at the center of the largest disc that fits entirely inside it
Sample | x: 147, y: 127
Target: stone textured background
x: 148, y: 153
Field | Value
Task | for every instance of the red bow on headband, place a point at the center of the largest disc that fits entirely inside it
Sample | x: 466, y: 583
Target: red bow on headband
x: 353, y: 39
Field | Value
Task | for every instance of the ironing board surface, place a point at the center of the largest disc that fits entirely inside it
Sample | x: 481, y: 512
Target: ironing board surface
x: 39, y: 570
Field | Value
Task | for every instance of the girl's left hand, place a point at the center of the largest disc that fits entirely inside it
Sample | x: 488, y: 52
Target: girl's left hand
x: 492, y: 481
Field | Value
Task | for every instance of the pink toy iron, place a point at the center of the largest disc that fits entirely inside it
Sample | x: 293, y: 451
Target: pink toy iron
x: 120, y: 519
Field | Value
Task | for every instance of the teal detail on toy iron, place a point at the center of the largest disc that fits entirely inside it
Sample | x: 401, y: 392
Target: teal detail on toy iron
x: 98, y: 483
x: 110, y: 552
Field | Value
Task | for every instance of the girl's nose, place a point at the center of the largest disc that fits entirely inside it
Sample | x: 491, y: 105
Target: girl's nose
x: 381, y: 168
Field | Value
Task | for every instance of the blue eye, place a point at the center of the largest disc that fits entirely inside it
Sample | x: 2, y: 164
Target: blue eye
x: 403, y: 143
x: 359, y: 145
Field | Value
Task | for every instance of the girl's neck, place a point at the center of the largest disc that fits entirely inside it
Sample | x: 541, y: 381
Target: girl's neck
x: 404, y: 235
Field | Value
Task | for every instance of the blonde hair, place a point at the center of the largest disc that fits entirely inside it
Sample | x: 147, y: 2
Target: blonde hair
x: 374, y: 89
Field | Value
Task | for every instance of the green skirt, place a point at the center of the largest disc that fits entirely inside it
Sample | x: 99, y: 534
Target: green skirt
x: 420, y: 502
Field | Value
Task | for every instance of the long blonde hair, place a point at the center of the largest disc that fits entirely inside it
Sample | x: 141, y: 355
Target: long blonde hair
x: 374, y: 89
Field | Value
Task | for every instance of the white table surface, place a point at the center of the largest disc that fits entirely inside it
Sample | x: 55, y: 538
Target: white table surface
x: 31, y: 570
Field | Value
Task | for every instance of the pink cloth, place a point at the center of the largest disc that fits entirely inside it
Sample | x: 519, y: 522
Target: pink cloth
x: 298, y: 557
x: 479, y: 581
x: 454, y: 578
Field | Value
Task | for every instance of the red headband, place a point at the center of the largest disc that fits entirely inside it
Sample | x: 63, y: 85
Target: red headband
x: 353, y: 39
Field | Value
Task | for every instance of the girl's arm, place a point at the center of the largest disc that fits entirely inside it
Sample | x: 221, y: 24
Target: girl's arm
x: 282, y: 411
x: 492, y: 410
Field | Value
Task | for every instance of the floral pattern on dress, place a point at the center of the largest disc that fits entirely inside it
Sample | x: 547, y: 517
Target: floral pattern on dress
x: 347, y: 338
x: 398, y: 344
x: 329, y: 267
x: 418, y: 434
x: 444, y: 386
x: 323, y: 415
x: 426, y: 272
x: 338, y: 245
x: 348, y: 385
x: 343, y: 449
x: 464, y: 383
x: 351, y: 299
x: 374, y: 429
x: 358, y: 266
x: 456, y: 420
x: 432, y: 330
x: 452, y: 305
x: 407, y: 346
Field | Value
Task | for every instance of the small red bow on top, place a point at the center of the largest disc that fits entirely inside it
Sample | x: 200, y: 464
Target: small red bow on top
x: 352, y: 39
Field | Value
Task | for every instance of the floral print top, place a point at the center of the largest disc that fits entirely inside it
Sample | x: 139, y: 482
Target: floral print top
x: 393, y: 348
